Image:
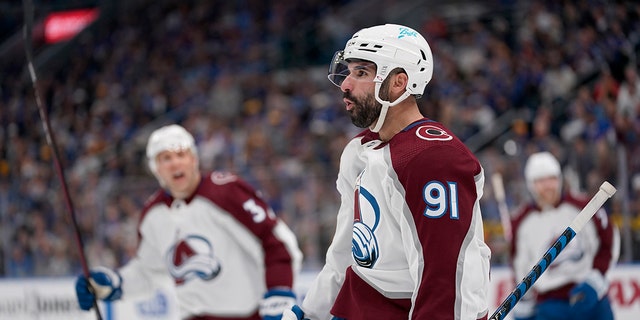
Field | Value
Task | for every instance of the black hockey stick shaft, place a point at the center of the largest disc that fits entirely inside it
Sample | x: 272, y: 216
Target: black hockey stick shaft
x: 28, y: 25
x: 605, y: 192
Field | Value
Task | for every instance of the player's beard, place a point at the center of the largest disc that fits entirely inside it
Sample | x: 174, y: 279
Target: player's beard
x: 548, y: 198
x: 364, y: 111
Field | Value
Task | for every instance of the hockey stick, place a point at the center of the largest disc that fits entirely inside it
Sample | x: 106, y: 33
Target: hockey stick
x: 498, y: 190
x: 605, y: 192
x: 28, y: 25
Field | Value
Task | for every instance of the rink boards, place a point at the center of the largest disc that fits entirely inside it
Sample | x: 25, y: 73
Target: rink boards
x: 54, y: 298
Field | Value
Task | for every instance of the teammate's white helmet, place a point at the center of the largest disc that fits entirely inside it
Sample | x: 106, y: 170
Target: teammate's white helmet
x: 389, y: 46
x: 541, y: 165
x: 172, y: 137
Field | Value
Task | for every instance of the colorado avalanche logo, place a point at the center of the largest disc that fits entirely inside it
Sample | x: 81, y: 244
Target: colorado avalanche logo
x: 433, y: 133
x: 192, y: 257
x: 364, y: 245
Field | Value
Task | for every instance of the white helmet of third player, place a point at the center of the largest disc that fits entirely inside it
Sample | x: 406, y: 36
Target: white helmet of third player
x: 172, y: 137
x: 389, y: 46
x: 541, y: 165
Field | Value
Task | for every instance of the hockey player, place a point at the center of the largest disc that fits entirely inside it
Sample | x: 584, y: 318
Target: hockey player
x: 409, y: 238
x: 212, y: 234
x: 575, y: 285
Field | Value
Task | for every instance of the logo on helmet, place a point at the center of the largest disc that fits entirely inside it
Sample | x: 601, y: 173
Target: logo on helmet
x: 406, y: 32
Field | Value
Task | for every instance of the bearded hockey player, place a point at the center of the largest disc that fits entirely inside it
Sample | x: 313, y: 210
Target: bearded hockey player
x: 575, y: 284
x: 409, y: 238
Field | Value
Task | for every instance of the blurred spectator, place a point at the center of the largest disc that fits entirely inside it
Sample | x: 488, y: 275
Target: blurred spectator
x: 231, y: 73
x: 629, y: 94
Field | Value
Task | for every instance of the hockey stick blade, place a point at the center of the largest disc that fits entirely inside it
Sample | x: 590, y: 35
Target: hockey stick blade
x: 605, y: 192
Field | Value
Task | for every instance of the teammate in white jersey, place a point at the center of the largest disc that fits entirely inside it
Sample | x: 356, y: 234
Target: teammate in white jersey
x: 211, y: 234
x: 575, y: 285
x: 409, y: 238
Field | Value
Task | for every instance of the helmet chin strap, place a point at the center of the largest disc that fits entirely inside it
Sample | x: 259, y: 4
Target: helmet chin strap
x: 385, y: 106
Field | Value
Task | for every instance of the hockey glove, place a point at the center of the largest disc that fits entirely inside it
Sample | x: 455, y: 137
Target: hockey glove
x: 105, y: 285
x: 295, y: 313
x: 275, y: 302
x: 584, y: 296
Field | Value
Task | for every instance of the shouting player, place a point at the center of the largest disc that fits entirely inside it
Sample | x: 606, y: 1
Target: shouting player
x: 223, y: 248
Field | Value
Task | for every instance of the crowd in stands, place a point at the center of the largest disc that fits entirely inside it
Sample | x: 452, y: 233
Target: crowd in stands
x: 248, y: 79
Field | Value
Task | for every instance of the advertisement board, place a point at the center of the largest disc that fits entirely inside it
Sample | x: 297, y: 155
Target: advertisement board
x: 54, y: 298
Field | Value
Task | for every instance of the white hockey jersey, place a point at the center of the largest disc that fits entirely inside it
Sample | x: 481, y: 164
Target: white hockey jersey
x: 223, y: 248
x: 595, y: 247
x: 409, y: 238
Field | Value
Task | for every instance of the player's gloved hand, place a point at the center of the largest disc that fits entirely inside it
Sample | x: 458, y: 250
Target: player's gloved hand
x: 584, y: 296
x: 105, y: 285
x: 275, y: 302
x: 295, y: 313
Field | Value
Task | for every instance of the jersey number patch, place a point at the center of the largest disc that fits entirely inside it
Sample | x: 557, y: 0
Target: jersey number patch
x: 441, y: 198
x: 258, y: 213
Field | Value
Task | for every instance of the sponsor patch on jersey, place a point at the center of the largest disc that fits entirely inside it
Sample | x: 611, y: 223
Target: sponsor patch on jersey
x: 221, y: 178
x: 155, y: 307
x: 432, y: 133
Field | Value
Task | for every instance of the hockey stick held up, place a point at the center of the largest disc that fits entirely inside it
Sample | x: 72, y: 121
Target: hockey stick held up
x: 28, y: 26
x: 605, y: 192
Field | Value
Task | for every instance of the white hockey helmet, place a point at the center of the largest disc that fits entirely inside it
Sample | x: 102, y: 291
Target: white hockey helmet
x: 389, y: 46
x: 541, y: 165
x: 171, y: 137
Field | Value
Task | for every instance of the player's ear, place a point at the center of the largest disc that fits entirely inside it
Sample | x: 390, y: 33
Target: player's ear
x: 401, y: 80
x: 398, y: 83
